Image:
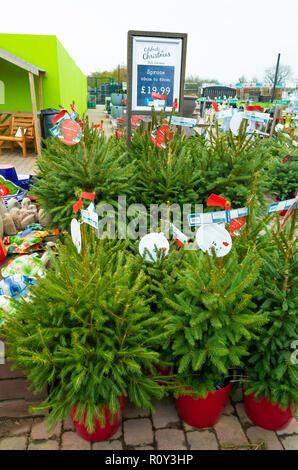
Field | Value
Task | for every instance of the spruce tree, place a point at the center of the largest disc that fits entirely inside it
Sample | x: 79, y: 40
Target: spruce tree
x: 163, y: 174
x: 160, y: 273
x: 271, y: 368
x: 93, y: 165
x: 227, y: 166
x: 87, y: 332
x: 213, y: 317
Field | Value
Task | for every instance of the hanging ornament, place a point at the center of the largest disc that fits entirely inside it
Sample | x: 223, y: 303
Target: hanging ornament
x: 214, y: 236
x: 75, y: 230
x: 153, y: 242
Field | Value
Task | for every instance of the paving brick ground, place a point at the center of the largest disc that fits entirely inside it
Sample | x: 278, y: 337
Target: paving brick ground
x: 140, y: 429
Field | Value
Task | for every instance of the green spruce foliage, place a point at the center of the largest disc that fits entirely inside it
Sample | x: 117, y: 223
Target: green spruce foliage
x: 214, y: 317
x: 160, y: 273
x: 93, y: 165
x: 227, y: 166
x: 87, y: 332
x: 189, y: 169
x: 271, y: 368
x: 163, y: 174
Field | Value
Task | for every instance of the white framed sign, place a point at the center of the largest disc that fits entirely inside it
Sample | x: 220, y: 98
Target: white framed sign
x: 156, y: 68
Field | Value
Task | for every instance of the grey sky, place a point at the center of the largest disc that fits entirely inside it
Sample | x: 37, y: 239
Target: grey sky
x: 226, y: 38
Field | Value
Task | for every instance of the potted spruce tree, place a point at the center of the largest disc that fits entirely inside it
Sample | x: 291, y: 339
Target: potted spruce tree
x: 271, y: 389
x: 160, y: 271
x: 88, y: 334
x: 93, y: 165
x: 213, y: 318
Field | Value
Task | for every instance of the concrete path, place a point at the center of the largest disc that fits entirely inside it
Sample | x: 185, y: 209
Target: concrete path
x: 97, y: 115
x: 142, y: 430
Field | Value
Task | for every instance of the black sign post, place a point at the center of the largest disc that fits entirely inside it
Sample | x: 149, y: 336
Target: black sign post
x: 155, y: 64
x: 275, y: 78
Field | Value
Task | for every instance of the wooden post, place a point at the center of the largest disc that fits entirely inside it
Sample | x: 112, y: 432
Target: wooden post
x: 40, y: 91
x: 204, y: 108
x: 34, y: 111
x: 276, y: 115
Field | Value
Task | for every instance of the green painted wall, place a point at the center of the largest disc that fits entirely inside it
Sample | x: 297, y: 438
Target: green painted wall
x: 64, y: 81
x: 71, y: 80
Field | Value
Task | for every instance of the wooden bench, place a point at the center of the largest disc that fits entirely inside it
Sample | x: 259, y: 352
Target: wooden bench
x: 21, y: 124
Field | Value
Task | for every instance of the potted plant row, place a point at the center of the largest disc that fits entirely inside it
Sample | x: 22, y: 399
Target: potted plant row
x: 213, y: 318
x: 271, y: 389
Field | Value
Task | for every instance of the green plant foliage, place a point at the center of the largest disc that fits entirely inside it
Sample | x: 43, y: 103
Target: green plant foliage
x: 271, y: 370
x: 214, y: 316
x: 281, y: 178
x: 228, y: 165
x: 163, y: 174
x: 87, y: 332
x: 93, y: 165
x: 189, y: 169
x: 164, y: 271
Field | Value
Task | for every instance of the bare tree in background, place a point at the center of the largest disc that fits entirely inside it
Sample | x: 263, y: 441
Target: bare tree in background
x: 199, y: 80
x: 242, y: 79
x: 113, y: 73
x: 284, y: 73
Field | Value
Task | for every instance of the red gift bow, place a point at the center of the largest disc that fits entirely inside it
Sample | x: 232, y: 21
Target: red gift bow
x: 77, y: 206
x: 90, y: 196
x: 215, y: 200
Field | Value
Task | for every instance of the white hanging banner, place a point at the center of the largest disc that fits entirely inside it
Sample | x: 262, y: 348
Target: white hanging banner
x: 220, y: 217
x: 182, y: 121
x: 283, y: 205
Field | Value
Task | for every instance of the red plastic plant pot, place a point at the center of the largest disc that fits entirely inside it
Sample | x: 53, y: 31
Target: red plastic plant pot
x: 164, y: 370
x: 99, y: 434
x: 203, y: 412
x: 266, y: 415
